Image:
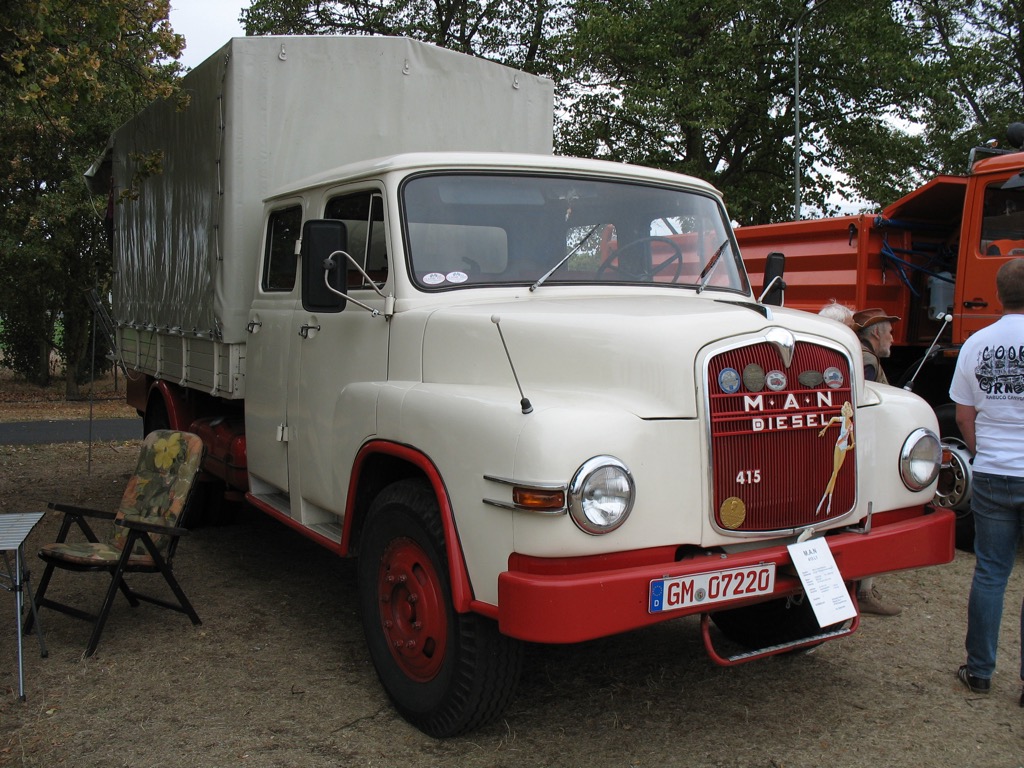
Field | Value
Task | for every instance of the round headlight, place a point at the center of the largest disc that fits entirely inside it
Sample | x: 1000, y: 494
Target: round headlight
x: 920, y: 459
x: 601, y: 495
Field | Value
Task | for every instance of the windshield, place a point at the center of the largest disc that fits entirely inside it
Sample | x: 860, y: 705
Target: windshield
x: 477, y: 229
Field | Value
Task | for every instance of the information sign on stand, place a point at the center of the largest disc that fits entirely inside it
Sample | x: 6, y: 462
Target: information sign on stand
x: 823, y: 583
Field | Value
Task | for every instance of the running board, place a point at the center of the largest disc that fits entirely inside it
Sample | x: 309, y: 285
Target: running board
x: 771, y: 650
x: 276, y: 501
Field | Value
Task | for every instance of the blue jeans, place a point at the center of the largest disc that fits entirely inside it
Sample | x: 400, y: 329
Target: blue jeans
x: 998, y: 506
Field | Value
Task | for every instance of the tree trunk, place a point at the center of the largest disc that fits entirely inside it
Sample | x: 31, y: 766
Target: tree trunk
x: 44, y: 364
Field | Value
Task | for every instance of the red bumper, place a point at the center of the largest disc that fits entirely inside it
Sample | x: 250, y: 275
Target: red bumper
x: 575, y: 599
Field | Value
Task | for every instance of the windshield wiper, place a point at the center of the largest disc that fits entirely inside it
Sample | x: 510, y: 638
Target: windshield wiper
x: 709, y: 268
x: 550, y: 272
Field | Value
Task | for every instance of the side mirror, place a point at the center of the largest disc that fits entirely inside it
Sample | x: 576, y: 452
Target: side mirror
x: 774, y: 290
x: 321, y: 238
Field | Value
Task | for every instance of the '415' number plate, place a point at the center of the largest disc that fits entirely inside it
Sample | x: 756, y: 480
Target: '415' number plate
x: 673, y: 594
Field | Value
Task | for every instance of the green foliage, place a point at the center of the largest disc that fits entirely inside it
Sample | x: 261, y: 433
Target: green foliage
x: 975, y: 59
x: 70, y: 73
x: 707, y: 89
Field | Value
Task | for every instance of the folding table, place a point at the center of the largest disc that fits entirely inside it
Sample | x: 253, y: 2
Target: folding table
x: 14, y: 529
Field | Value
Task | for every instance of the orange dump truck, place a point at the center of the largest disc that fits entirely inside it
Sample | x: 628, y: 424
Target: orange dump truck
x: 930, y: 258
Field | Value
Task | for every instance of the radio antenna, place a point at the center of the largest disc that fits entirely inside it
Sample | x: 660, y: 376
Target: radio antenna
x: 524, y: 401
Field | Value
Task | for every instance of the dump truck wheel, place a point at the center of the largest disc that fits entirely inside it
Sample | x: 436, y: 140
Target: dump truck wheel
x: 445, y: 672
x: 948, y: 430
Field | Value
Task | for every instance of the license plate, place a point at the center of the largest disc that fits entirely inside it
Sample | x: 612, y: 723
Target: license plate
x: 673, y: 594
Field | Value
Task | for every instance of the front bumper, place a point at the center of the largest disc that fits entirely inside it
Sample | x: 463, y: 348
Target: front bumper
x: 569, y: 600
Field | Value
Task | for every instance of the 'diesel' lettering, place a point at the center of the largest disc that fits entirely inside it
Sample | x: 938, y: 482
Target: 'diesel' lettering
x: 795, y: 421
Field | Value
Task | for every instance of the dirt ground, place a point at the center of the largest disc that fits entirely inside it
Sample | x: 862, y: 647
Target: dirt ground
x: 278, y: 675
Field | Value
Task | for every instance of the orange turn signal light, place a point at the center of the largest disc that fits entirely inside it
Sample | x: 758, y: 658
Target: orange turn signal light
x: 534, y: 498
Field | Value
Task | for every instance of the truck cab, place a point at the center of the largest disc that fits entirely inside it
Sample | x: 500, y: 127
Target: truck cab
x: 544, y: 389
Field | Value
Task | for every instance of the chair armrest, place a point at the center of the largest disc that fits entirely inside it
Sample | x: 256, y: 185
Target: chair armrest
x: 70, y: 509
x: 136, y: 524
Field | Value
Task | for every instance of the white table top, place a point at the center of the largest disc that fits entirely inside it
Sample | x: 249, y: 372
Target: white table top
x: 15, y: 528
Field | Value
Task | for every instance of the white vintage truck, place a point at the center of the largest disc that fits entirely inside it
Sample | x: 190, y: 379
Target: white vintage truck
x: 536, y: 396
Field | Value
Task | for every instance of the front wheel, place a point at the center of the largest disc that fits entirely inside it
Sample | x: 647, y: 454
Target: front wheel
x: 445, y: 672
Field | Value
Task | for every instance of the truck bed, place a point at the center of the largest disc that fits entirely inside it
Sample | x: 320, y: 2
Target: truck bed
x: 902, y: 259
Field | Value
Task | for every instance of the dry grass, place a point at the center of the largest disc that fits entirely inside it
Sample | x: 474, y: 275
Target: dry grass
x: 21, y: 401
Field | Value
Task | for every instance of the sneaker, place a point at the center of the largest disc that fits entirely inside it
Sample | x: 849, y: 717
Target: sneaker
x: 976, y: 684
x: 870, y: 602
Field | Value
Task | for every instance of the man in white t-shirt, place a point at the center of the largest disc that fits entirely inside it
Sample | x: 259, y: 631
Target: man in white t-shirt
x: 988, y: 389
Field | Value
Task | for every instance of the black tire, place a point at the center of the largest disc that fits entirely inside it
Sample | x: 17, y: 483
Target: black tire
x: 156, y: 416
x: 211, y: 508
x: 770, y: 623
x: 948, y: 428
x: 445, y: 672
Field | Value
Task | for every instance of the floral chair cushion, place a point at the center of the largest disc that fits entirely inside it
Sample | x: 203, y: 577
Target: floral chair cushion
x: 155, y: 494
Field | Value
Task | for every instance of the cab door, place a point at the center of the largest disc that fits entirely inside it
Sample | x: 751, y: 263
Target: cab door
x: 270, y: 345
x: 994, y: 235
x: 342, y: 357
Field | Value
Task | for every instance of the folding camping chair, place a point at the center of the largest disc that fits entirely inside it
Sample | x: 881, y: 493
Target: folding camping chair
x: 147, y: 527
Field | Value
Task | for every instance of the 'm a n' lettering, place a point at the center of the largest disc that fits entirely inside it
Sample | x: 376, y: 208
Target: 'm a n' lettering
x: 792, y: 403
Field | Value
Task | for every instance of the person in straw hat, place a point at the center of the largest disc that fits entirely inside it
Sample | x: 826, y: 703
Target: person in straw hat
x: 874, y: 327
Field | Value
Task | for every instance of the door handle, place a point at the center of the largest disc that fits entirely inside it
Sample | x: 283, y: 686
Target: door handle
x: 976, y: 304
x: 305, y: 329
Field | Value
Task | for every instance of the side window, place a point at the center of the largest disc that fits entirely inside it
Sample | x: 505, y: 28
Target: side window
x: 363, y: 216
x: 1002, y: 229
x: 279, y: 260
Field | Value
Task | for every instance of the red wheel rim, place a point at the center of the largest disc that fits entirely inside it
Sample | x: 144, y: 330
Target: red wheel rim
x: 413, y: 612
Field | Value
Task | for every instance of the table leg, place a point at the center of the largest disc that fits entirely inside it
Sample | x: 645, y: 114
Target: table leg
x: 18, y: 601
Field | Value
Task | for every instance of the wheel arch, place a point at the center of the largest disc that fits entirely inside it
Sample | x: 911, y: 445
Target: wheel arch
x: 381, y: 463
x: 166, y: 400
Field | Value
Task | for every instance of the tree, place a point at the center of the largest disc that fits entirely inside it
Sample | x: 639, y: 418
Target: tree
x: 69, y: 73
x: 707, y: 89
x: 976, y: 54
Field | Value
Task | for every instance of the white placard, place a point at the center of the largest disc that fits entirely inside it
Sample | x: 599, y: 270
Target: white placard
x: 823, y: 583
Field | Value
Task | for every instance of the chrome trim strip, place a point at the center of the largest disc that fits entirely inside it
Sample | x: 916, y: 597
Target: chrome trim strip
x: 522, y: 484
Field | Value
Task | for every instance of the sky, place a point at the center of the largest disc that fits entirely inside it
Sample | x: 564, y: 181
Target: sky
x: 206, y: 25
